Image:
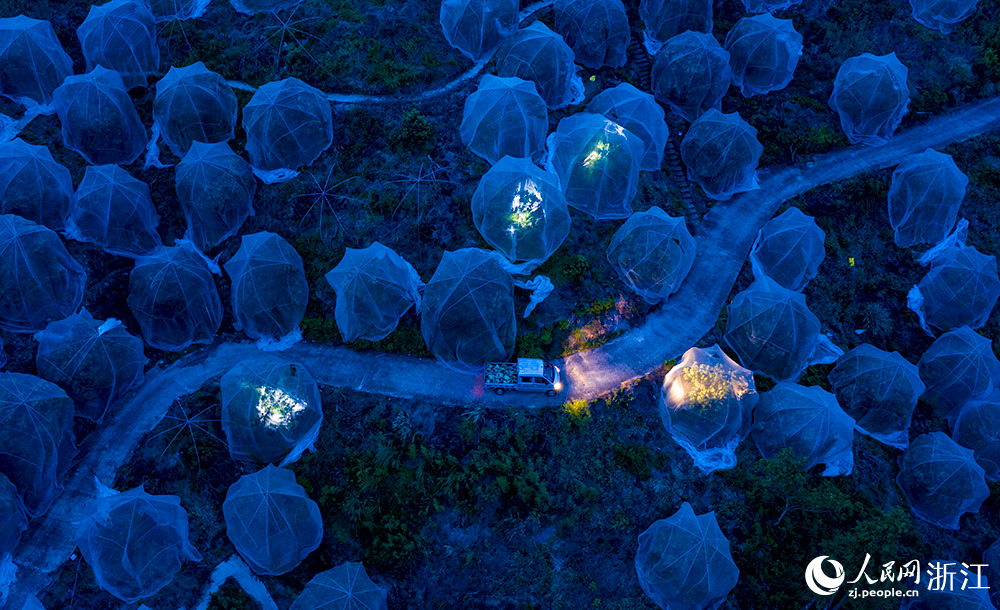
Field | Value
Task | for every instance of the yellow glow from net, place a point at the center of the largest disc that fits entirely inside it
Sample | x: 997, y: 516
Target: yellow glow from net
x: 277, y: 408
x: 597, y: 153
x: 705, y: 384
x: 524, y: 205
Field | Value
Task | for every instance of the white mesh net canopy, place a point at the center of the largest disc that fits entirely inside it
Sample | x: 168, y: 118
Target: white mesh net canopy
x: 194, y: 105
x: 763, y: 53
x: 978, y: 428
x: 941, y: 480
x: 691, y: 74
x: 539, y: 55
x: 33, y: 185
x: 721, y: 153
x: 789, y: 249
x: 926, y: 192
x: 652, y: 253
x: 596, y: 30
x: 665, y: 19
x: 114, y: 210
x: 943, y: 15
x: 121, y: 36
x: 871, y: 97
x: 505, y: 116
x: 345, y: 587
x: 216, y: 188
x: 13, y: 519
x: 958, y: 367
x: 638, y: 112
x: 477, y: 27
x: 32, y: 60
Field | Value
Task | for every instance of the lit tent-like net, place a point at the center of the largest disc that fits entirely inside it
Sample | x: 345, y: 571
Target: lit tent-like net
x: 596, y: 30
x: 13, y: 519
x: 194, y: 104
x: 706, y: 404
x: 684, y: 561
x: 926, y: 192
x: 691, y: 74
x: 33, y: 185
x: 216, y: 187
x: 345, y: 587
x: 505, y: 116
x: 763, y: 53
x: 467, y: 316
x: 121, y: 36
x: 32, y: 60
x: 943, y: 15
x: 958, y: 367
x: 721, y: 153
x: 879, y: 390
x: 941, y: 480
x: 271, y: 410
x: 271, y: 521
x: 36, y: 438
x: 539, y: 55
x: 652, y: 253
x: 789, y: 249
x: 135, y: 542
x: 41, y: 281
x: 664, y: 19
x: 978, y: 428
x: 96, y: 362
x: 871, y: 97
x: 114, y: 210
x: 638, y: 112
x: 374, y: 287
x: 477, y: 27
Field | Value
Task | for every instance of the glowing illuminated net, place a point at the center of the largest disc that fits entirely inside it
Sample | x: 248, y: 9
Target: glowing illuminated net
x: 639, y: 113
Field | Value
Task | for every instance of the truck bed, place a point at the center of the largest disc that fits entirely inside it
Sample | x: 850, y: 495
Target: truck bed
x: 501, y: 373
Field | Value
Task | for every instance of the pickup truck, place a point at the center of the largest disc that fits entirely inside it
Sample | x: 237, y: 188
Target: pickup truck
x: 525, y: 375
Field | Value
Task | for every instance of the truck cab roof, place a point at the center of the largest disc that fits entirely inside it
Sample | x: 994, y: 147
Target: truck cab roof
x: 530, y: 367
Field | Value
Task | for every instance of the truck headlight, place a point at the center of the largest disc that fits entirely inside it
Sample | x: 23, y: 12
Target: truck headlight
x: 558, y: 386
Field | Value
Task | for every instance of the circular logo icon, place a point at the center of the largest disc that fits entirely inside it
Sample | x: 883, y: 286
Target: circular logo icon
x: 818, y: 581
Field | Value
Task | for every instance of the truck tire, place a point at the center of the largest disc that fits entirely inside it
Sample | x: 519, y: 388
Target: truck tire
x: 550, y: 393
x: 499, y: 391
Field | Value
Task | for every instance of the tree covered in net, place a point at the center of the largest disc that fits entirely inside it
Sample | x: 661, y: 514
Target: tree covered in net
x: 505, y: 116
x: 638, y: 112
x: 597, y: 162
x: 36, y: 438
x: 41, y: 281
x: 114, y: 210
x: 32, y: 60
x: 96, y: 362
x: 271, y: 521
x: 13, y: 519
x: 477, y: 27
x: 98, y: 118
x: 135, y: 542
x: 345, y: 587
x: 809, y: 422
x: 374, y: 288
x: 539, y: 55
x: 941, y: 480
x: 121, y: 36
x: 958, y: 367
x: 288, y: 124
x: 789, y: 249
x: 684, y: 561
x: 652, y: 253
x: 926, y: 191
x: 181, y: 10
x: 763, y: 53
x: 721, y: 153
x: 271, y: 410
x: 978, y: 428
x: 467, y: 316
x: 173, y: 297
x: 194, y: 104
x: 691, y: 74
x: 596, y: 30
x: 249, y: 7
x: 216, y: 187
x: 706, y: 404
x: 664, y: 19
x: 879, y: 390
x: 871, y: 97
x: 521, y: 211
x: 942, y: 15
x: 33, y: 185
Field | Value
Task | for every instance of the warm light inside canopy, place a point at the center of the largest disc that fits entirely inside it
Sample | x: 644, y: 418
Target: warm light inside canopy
x: 525, y: 204
x: 276, y: 407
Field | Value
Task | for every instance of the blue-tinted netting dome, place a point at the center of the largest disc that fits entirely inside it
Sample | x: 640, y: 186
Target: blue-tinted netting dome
x: 33, y: 185
x: 194, y: 104
x: 269, y: 292
x: 638, y: 112
x: 958, y: 367
x: 288, y: 124
x: 772, y: 330
x: 271, y: 410
x: 597, y: 162
x: 684, y: 561
x: 706, y: 404
x: 36, y: 438
x: 13, y: 519
x: 691, y: 74
x: 769, y: 6
x: 135, y: 542
x: 172, y: 295
x: 271, y: 521
x: 121, y: 36
x: 943, y: 15
x: 505, y: 116
x: 467, y: 316
x: 96, y: 362
x: 249, y: 7
x: 789, y: 249
x: 721, y: 153
x: 652, y: 253
x: 665, y: 19
x: 41, y: 281
x: 879, y: 390
x: 345, y: 587
x: 98, y: 118
x: 476, y: 27
x: 941, y: 480
x: 113, y: 210
x: 808, y: 421
x: 216, y: 188
x: 978, y: 428
x: 948, y: 592
x: 871, y: 96
x: 32, y: 60
x: 169, y: 10
x: 596, y: 30
x: 926, y: 191
x: 539, y: 55
x: 763, y: 53
x: 374, y: 288
x: 521, y: 211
